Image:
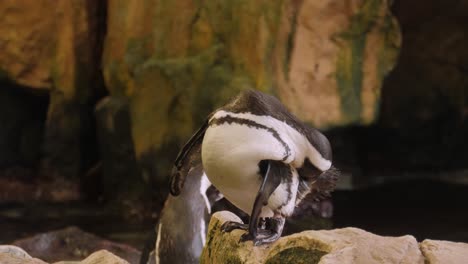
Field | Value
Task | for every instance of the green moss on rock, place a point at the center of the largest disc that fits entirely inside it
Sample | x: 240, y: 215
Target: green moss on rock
x: 178, y: 67
x: 297, y: 255
x: 349, y: 71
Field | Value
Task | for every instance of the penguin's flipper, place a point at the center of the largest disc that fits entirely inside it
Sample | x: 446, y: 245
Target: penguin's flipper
x: 189, y: 156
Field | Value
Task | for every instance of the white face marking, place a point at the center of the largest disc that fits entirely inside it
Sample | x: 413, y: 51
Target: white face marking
x: 158, y: 240
x: 202, y: 231
x: 204, y: 185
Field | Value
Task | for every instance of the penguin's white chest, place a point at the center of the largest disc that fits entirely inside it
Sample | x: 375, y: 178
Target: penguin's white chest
x: 231, y: 153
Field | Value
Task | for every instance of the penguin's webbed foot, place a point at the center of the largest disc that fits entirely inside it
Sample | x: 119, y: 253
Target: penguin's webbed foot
x: 263, y: 237
x: 266, y: 237
x: 271, y: 231
x: 231, y: 225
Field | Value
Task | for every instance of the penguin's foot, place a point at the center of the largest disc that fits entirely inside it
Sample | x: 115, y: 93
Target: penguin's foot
x: 231, y: 225
x: 262, y: 237
x: 271, y: 231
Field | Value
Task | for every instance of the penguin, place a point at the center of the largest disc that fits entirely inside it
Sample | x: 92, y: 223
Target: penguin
x: 181, y: 228
x: 262, y: 159
x: 180, y: 233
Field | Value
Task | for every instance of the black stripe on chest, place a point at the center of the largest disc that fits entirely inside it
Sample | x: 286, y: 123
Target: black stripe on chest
x: 252, y: 124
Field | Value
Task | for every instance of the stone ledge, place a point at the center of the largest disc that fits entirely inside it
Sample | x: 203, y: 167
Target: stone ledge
x: 98, y: 257
x: 347, y: 245
x: 437, y: 251
x: 15, y: 255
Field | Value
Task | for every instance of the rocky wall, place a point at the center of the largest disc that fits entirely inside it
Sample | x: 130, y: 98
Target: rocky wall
x: 53, y: 47
x: 177, y: 61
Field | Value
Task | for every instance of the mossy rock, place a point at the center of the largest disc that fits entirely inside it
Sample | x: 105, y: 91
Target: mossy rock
x: 177, y: 61
x: 347, y: 245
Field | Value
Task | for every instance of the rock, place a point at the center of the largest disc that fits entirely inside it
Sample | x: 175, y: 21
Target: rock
x: 424, y: 99
x: 73, y: 244
x: 444, y: 252
x: 17, y: 189
x: 121, y: 179
x: 178, y: 61
x: 177, y: 67
x: 55, y: 47
x: 430, y: 77
x: 6, y: 258
x: 98, y: 257
x: 22, y: 115
x: 15, y: 255
x: 103, y: 257
x: 49, y: 44
x: 334, y: 56
x: 61, y: 142
x: 14, y: 251
x: 347, y: 245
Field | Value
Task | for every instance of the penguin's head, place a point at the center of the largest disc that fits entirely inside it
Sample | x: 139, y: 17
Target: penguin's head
x: 320, y: 169
x: 326, y: 180
x: 322, y: 144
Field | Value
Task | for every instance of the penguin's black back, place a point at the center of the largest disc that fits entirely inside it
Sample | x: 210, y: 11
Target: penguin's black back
x: 258, y: 103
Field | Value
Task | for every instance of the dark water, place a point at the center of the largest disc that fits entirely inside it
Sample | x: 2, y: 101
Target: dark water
x: 424, y: 209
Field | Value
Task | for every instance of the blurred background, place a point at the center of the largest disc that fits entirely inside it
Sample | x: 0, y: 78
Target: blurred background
x: 97, y: 97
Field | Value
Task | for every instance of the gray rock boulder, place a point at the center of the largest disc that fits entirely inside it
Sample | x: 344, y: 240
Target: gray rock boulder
x: 444, y: 252
x: 98, y: 257
x: 73, y: 244
x: 15, y: 255
x: 347, y: 245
